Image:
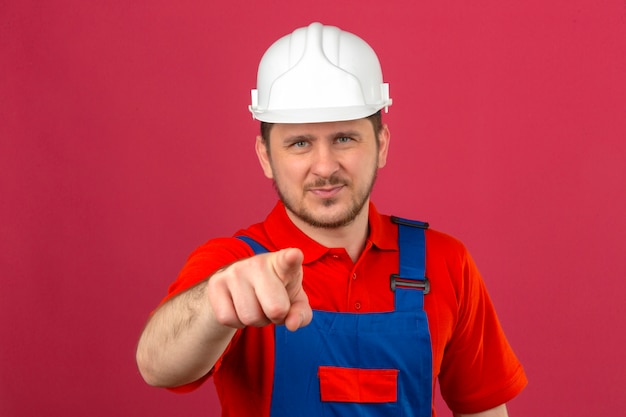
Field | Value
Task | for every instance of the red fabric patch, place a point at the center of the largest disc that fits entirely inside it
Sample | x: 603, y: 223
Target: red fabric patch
x: 358, y: 385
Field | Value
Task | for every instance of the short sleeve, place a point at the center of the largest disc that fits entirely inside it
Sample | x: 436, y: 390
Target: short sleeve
x: 200, y: 265
x: 479, y: 369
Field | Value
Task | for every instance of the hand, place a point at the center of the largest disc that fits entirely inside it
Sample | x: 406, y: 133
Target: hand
x: 262, y: 289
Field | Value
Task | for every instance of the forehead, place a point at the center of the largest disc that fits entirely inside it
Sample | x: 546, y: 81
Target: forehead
x: 324, y: 129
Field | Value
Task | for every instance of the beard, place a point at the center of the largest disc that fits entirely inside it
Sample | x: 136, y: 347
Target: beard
x: 355, y: 207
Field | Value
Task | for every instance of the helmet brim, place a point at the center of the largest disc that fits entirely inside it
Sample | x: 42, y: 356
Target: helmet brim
x: 322, y: 115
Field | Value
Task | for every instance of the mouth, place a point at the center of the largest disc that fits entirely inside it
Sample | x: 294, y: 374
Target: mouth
x: 326, y: 192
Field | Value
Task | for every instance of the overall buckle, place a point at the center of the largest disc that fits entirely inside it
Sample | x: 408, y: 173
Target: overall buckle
x: 409, y: 283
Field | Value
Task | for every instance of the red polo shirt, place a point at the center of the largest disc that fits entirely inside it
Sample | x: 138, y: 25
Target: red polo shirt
x: 476, y: 367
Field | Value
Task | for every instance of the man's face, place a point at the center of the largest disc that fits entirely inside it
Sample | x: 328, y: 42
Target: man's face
x: 324, y: 172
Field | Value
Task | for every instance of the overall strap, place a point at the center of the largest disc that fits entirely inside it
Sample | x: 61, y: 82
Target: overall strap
x: 412, y: 274
x: 254, y: 245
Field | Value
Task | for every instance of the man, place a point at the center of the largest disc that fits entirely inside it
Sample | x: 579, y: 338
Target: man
x: 328, y: 307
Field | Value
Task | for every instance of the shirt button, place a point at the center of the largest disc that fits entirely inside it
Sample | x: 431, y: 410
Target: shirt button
x: 357, y: 306
x: 354, y: 276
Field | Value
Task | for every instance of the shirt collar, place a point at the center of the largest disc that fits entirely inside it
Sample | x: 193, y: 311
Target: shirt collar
x: 383, y: 233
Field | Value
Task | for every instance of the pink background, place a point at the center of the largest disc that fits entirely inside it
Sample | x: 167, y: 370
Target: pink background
x: 125, y: 142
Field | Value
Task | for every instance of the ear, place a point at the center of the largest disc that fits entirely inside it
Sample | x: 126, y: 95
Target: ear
x: 264, y: 157
x: 383, y: 145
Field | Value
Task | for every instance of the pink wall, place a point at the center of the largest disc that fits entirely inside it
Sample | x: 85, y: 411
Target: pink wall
x: 125, y: 142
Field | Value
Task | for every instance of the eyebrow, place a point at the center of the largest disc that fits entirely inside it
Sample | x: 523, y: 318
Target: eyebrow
x: 349, y: 133
x: 298, y: 138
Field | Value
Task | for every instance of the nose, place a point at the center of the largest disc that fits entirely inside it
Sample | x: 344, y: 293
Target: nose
x: 325, y: 162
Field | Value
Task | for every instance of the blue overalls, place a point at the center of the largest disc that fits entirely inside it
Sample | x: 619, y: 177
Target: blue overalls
x: 367, y: 365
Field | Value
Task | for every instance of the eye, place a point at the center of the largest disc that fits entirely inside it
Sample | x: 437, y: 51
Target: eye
x: 299, y: 144
x: 343, y: 139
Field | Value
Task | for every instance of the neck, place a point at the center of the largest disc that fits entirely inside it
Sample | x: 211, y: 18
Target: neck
x: 351, y: 237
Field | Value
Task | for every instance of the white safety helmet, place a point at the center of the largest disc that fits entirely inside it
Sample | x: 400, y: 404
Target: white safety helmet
x: 318, y: 74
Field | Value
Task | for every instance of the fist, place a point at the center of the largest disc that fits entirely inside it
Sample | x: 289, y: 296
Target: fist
x: 262, y: 289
